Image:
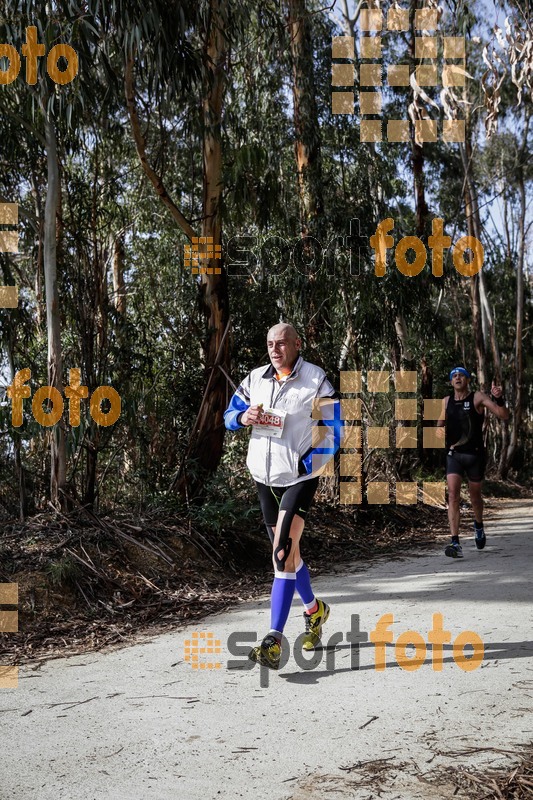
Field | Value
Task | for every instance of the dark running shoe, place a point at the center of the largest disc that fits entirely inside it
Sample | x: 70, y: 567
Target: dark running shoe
x: 454, y: 550
x: 268, y: 653
x: 479, y: 538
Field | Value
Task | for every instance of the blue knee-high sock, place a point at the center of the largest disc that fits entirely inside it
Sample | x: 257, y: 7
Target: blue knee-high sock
x: 303, y: 585
x: 280, y: 599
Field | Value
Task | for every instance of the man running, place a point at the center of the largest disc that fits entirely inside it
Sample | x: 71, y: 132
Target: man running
x: 286, y: 454
x: 464, y: 413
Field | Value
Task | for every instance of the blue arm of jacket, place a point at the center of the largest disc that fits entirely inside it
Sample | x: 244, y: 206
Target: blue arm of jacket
x: 237, y: 406
x: 332, y: 424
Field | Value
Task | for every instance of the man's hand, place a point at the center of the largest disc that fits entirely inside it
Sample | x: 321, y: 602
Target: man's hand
x: 252, y: 415
x: 440, y: 431
x: 496, y: 396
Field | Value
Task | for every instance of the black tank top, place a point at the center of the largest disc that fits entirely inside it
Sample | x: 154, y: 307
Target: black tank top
x: 465, y: 425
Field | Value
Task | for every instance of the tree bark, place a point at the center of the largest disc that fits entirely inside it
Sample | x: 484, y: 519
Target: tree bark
x: 119, y: 288
x: 403, y: 358
x: 20, y: 472
x: 417, y: 150
x: 308, y: 157
x: 204, y: 449
x: 474, y: 229
x: 58, y: 465
x: 307, y: 143
x: 519, y: 362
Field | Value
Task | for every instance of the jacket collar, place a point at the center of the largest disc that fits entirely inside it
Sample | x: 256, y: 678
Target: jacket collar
x: 270, y: 372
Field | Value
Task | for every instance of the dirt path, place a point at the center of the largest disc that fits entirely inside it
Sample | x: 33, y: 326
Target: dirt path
x: 141, y: 722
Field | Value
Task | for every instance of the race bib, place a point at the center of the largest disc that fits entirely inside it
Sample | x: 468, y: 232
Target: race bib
x: 271, y: 422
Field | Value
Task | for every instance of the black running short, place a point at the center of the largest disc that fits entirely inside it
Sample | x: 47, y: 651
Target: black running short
x: 470, y: 464
x: 294, y: 500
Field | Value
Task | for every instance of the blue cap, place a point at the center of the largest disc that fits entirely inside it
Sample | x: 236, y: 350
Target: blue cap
x: 462, y: 370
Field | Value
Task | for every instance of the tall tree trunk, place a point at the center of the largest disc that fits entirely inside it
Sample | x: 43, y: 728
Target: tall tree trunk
x: 204, y: 449
x: 96, y: 321
x: 207, y: 436
x: 58, y: 464
x: 119, y: 288
x: 519, y: 363
x: 427, y: 456
x: 417, y: 150
x: 20, y: 472
x: 402, y: 356
x: 482, y: 317
x: 474, y: 229
x: 307, y: 144
x: 486, y: 323
x: 308, y: 156
x: 39, y: 265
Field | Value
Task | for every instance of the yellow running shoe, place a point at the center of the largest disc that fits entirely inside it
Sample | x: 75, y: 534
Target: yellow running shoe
x: 268, y: 653
x: 313, y: 625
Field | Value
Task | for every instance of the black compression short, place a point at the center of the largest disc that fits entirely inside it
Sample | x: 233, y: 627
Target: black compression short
x: 295, y: 499
x: 471, y: 464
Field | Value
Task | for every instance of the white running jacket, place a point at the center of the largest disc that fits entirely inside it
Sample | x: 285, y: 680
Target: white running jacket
x: 297, y: 454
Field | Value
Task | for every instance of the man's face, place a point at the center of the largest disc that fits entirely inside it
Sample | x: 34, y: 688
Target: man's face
x: 283, y: 349
x: 459, y: 381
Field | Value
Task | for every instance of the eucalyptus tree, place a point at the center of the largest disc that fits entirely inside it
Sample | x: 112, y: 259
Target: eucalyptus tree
x: 507, y: 85
x: 40, y: 99
x: 177, y: 50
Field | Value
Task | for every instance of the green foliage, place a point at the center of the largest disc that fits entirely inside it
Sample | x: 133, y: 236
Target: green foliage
x: 63, y: 572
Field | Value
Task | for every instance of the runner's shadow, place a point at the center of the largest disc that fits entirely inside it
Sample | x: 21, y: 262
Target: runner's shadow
x: 495, y: 651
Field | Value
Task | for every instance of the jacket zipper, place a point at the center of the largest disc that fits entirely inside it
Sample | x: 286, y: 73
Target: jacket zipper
x: 280, y: 389
x: 269, y: 456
